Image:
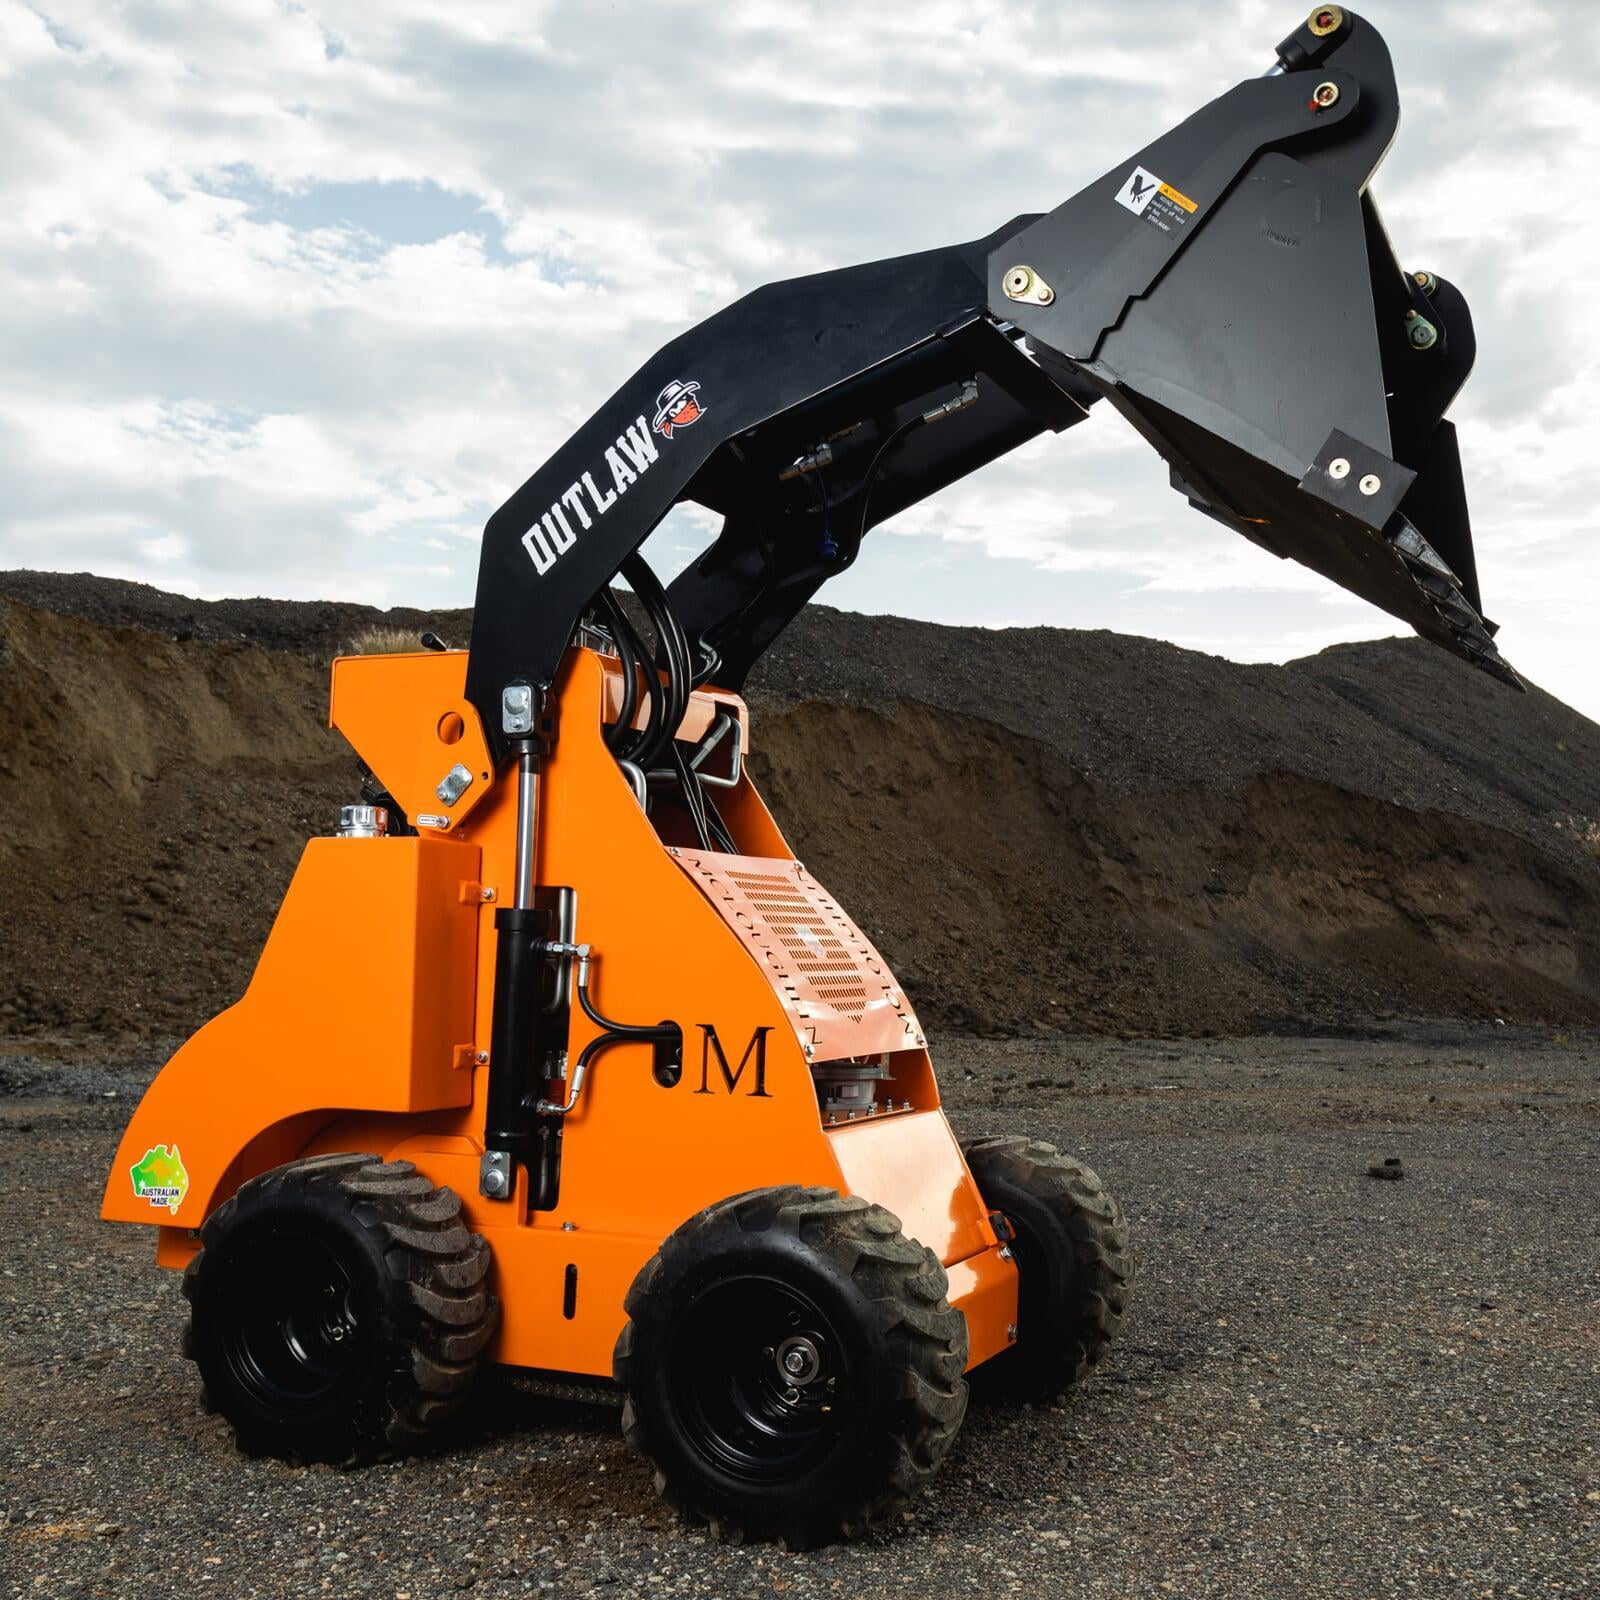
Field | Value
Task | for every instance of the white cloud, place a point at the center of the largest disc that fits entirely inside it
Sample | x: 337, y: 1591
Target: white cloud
x: 215, y: 378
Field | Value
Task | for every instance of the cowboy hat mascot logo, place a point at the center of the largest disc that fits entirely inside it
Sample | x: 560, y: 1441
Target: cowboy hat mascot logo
x: 676, y: 407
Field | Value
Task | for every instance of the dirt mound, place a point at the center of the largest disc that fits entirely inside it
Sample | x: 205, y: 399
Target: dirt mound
x: 1045, y: 831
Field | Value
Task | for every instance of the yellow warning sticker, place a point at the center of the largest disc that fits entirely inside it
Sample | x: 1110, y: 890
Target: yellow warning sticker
x: 1147, y: 196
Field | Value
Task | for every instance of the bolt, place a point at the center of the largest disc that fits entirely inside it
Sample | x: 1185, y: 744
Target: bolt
x: 795, y: 1363
x: 1371, y: 484
x: 792, y: 1395
x: 1338, y: 468
x: 569, y: 1227
x: 1005, y: 1252
x: 1425, y: 281
x: 1019, y: 280
x: 1422, y: 333
x: 1324, y: 95
x: 1011, y: 1333
x: 482, y: 1058
x: 337, y: 1332
x: 494, y: 1181
x: 486, y: 894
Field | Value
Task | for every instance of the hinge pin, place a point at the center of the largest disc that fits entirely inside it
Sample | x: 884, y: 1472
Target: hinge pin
x: 1023, y: 283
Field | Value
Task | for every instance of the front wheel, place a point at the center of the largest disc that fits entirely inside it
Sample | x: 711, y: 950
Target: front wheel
x: 338, y: 1309
x: 1074, y: 1263
x: 792, y: 1367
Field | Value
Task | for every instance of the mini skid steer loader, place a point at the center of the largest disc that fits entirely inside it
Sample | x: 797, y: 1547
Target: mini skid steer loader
x: 557, y: 1058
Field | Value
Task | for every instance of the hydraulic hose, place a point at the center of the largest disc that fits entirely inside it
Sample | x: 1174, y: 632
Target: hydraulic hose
x: 622, y: 636
x: 673, y: 658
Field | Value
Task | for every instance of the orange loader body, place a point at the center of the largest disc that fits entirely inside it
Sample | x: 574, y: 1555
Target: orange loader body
x: 365, y: 1025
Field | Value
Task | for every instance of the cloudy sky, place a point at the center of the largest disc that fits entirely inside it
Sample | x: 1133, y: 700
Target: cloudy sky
x: 292, y: 295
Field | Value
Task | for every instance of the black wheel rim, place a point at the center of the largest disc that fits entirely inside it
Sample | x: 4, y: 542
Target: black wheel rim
x: 760, y: 1379
x: 293, y: 1326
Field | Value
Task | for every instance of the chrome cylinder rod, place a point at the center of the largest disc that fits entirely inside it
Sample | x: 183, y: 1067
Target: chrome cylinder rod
x: 527, y: 828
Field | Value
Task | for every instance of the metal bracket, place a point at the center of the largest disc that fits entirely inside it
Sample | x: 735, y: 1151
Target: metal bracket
x: 516, y: 709
x: 454, y: 784
x: 724, y: 724
x: 494, y: 1175
x: 1354, y: 478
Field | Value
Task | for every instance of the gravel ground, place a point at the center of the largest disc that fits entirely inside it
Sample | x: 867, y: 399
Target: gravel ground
x: 1329, y: 1386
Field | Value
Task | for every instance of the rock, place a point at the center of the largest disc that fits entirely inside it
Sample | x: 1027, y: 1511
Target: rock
x: 1388, y: 1168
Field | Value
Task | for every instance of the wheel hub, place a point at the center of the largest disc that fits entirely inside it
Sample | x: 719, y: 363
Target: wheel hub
x: 763, y: 1378
x: 291, y: 1336
x: 799, y: 1360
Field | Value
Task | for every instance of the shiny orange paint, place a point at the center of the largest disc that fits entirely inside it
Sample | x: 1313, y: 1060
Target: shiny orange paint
x: 364, y: 1024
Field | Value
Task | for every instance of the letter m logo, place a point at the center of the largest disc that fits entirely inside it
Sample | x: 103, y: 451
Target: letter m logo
x: 733, y: 1076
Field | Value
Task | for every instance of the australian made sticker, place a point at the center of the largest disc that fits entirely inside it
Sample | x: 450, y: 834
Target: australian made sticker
x: 1145, y: 195
x: 160, y: 1178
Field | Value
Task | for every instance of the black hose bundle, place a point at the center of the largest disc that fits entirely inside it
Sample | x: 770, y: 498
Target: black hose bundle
x: 626, y: 641
x: 669, y: 676
x: 669, y: 681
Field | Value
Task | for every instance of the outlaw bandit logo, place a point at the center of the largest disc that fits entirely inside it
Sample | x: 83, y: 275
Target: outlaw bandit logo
x: 584, y: 501
x: 676, y: 407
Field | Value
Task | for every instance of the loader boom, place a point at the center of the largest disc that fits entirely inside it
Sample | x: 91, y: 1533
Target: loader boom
x: 1229, y: 289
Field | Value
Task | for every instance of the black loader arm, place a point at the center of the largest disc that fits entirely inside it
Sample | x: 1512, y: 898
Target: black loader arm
x: 1229, y: 289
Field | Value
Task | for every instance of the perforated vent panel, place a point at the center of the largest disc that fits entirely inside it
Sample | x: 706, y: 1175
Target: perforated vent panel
x: 813, y: 946
x: 840, y: 992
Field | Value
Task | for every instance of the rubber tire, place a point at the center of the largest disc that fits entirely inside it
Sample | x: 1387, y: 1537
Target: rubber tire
x: 887, y: 1296
x: 1074, y: 1262
x: 426, y: 1313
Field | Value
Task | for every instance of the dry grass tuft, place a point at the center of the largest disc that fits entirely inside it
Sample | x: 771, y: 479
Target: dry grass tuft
x: 1587, y: 833
x: 383, y: 642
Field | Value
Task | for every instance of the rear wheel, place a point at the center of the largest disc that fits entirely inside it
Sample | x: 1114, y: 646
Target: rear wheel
x: 338, y: 1310
x: 1074, y: 1263
x: 792, y: 1367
